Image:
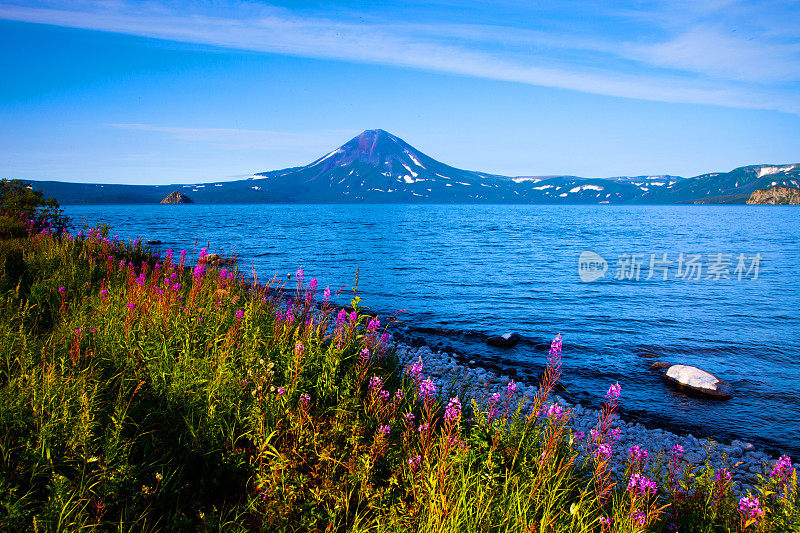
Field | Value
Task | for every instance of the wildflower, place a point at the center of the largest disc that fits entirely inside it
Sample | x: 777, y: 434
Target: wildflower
x: 782, y: 470
x: 594, y: 433
x: 579, y: 435
x: 374, y: 324
x: 639, y: 517
x: 409, y: 418
x: 363, y: 357
x: 375, y: 383
x: 637, y: 453
x: 554, y: 411
x: 511, y: 388
x: 416, y: 369
x: 203, y: 253
x: 603, y: 451
x: 62, y: 290
x: 353, y: 316
x: 385, y: 338
x: 639, y: 484
x: 131, y: 306
x: 141, y: 279
x: 299, y: 349
x: 423, y: 428
x: 103, y: 292
x: 605, y: 521
x: 614, y: 392
x: 78, y: 331
x: 385, y: 430
x: 305, y: 401
x: 414, y: 462
x: 615, y: 434
x: 677, y: 451
x: 280, y: 392
x: 555, y: 346
x: 384, y: 395
x: 398, y: 395
x: 453, y: 410
x: 299, y: 275
x: 239, y: 313
x: 723, y: 476
x: 327, y: 294
x: 199, y: 272
x: 341, y: 317
x: 312, y: 285
x: 750, y: 507
x: 223, y: 274
x: 427, y: 389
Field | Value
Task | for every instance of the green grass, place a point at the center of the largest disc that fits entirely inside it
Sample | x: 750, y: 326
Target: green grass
x: 134, y: 404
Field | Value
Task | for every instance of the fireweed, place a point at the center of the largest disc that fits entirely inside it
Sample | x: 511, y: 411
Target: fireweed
x: 139, y: 390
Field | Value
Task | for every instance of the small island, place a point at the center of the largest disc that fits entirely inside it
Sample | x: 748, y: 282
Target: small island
x: 177, y: 197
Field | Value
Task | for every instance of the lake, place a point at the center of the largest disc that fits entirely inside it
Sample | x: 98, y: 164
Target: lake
x: 729, y: 303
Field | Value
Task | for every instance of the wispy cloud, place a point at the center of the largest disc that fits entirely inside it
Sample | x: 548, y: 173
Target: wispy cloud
x: 686, y: 59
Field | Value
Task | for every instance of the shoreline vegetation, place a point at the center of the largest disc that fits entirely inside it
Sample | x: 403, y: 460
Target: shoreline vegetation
x: 148, y: 393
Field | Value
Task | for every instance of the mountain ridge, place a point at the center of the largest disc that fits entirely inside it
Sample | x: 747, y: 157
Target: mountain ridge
x: 379, y: 167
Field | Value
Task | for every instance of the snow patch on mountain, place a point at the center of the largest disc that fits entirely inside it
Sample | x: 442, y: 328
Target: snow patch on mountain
x: 766, y: 171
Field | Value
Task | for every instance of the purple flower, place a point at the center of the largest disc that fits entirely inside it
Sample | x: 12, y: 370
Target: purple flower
x: 384, y: 396
x: 409, y: 418
x: 299, y: 275
x: 62, y: 290
x: 606, y: 521
x: 398, y: 395
x: 103, y: 292
x: 199, y: 272
x: 280, y: 392
x: 603, y: 451
x: 385, y: 338
x: 453, y: 410
x: 615, y: 434
x: 353, y: 316
x: 384, y: 430
x: 312, y: 285
x: 239, y: 313
x: 327, y: 294
x: 782, y: 470
x: 639, y: 517
x: 183, y: 256
x: 78, y: 331
x: 305, y: 401
x: 511, y: 388
x: 637, y: 453
x: 176, y: 287
x: 555, y: 346
x: 131, y: 306
x: 640, y: 484
x: 579, y: 435
x: 416, y: 369
x: 554, y: 411
x: 427, y: 390
x: 363, y: 357
x: 750, y: 507
x: 423, y: 428
x: 723, y: 476
x: 495, y: 398
x: 614, y: 392
x: 299, y: 349
x: 375, y: 383
x: 341, y: 317
x: 677, y: 451
x: 223, y: 273
x: 374, y: 324
x: 414, y: 462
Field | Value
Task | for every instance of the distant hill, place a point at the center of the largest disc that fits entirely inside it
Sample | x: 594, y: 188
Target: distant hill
x: 378, y: 167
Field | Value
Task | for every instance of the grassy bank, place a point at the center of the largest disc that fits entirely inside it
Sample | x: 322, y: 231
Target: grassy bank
x: 138, y: 394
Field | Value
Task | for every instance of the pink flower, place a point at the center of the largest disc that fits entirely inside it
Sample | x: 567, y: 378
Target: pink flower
x: 327, y: 294
x: 750, y: 507
x: 603, y: 451
x: 384, y: 430
x: 614, y: 391
x: 453, y: 410
x: 312, y: 285
x: 239, y: 313
x: 299, y: 275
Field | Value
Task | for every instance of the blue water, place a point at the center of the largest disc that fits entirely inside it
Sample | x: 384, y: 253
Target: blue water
x: 494, y: 269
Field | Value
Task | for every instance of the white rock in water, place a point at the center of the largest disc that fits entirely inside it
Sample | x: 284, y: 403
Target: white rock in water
x: 697, y: 380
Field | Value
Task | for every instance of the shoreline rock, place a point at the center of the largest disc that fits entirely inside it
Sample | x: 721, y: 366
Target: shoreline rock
x: 693, y: 380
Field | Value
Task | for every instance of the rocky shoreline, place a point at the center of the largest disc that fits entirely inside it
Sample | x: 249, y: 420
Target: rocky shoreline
x: 743, y: 460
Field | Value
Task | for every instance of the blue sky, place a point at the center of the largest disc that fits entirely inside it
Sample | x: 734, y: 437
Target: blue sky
x: 162, y: 92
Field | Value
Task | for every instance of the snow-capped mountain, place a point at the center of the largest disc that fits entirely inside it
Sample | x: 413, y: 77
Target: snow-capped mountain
x: 378, y: 167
